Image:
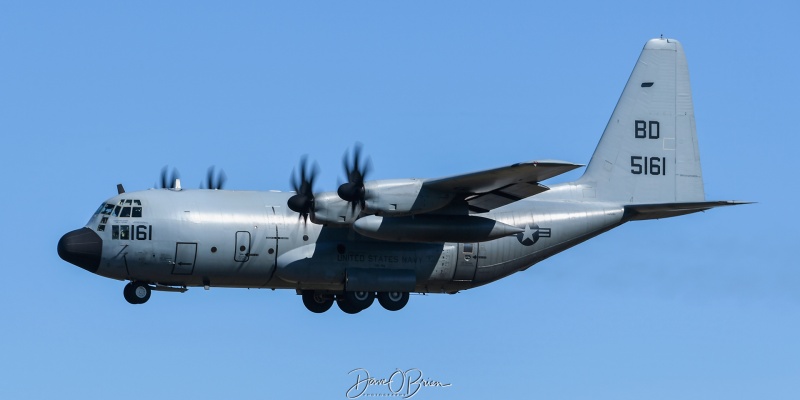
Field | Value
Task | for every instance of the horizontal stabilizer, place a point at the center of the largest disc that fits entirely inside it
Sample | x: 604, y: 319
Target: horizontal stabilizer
x: 640, y: 212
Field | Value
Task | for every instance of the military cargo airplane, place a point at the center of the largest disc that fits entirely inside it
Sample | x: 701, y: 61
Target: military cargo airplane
x: 389, y: 238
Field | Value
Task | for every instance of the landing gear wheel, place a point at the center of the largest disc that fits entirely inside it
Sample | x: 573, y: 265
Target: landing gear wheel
x: 361, y: 300
x: 346, y: 306
x: 127, y: 292
x: 393, y: 301
x: 316, y: 302
x: 136, y: 292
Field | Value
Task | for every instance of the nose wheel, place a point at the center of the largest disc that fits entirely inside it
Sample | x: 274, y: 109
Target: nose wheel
x: 136, y: 292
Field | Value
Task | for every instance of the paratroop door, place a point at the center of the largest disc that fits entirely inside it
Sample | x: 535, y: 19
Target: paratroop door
x: 242, y: 251
x: 185, y: 254
x: 466, y: 262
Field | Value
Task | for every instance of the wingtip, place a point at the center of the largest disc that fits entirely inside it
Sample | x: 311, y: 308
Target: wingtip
x: 555, y: 163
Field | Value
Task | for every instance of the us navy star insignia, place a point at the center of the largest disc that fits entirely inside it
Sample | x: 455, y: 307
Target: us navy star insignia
x: 531, y: 234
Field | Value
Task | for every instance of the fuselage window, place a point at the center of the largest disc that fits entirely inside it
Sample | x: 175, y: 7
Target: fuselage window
x: 116, y: 211
x: 115, y: 232
x: 101, y: 228
x: 125, y: 213
x: 467, y: 248
x: 137, y: 202
x: 137, y: 212
x: 100, y: 209
x: 128, y: 202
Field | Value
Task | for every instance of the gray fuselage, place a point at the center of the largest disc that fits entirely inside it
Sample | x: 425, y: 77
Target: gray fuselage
x: 250, y: 239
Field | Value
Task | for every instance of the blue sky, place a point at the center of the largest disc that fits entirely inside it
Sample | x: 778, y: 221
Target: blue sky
x: 98, y: 93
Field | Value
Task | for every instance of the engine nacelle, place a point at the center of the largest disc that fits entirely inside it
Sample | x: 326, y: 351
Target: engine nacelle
x: 329, y: 209
x: 434, y: 228
x: 399, y: 197
x: 395, y: 197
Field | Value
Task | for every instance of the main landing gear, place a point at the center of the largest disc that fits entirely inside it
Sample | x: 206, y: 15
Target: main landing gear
x: 353, y: 302
x: 136, y: 292
x: 393, y: 301
x: 317, y: 302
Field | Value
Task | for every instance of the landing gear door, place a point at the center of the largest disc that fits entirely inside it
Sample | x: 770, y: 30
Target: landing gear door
x: 466, y: 262
x: 185, y: 254
x: 242, y: 251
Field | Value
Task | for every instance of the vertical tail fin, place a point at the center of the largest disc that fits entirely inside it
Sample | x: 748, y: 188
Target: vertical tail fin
x: 648, y: 152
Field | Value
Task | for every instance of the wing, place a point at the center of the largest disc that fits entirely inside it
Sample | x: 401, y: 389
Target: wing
x: 493, y: 188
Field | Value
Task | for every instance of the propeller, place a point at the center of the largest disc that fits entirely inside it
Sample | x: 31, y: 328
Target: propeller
x: 303, y: 185
x: 169, y: 181
x: 356, y: 172
x: 215, y: 182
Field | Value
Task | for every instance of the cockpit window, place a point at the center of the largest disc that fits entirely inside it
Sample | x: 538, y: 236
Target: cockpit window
x: 107, y: 208
x: 123, y: 209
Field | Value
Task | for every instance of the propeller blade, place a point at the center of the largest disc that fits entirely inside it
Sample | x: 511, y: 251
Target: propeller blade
x: 210, y: 178
x: 221, y: 178
x: 356, y: 171
x: 303, y: 184
x: 164, y: 178
x: 215, y: 182
x: 169, y: 181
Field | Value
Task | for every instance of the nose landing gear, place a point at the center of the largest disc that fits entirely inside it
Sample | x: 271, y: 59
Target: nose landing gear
x: 136, y: 292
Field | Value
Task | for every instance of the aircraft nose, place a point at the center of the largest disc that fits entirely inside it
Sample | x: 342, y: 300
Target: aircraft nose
x: 81, y: 247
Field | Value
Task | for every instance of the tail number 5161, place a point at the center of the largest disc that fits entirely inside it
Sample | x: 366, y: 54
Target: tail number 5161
x: 648, y: 165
